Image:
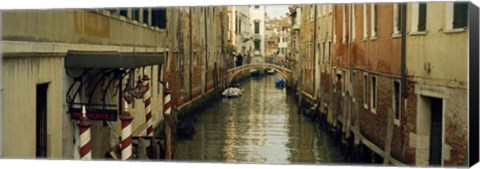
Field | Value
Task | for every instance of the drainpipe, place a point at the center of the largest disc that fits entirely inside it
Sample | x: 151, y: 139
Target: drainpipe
x: 206, y: 49
x: 1, y: 99
x: 404, y: 41
x: 314, y: 51
x: 191, y: 53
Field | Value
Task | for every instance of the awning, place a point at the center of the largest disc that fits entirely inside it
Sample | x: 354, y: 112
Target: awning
x: 111, y: 59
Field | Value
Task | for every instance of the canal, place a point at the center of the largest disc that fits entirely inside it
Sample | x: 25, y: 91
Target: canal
x: 262, y: 126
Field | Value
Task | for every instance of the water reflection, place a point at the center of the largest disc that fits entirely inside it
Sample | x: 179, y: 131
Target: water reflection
x: 262, y: 126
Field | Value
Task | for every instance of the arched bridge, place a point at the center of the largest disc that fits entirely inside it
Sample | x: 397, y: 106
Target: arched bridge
x: 286, y: 73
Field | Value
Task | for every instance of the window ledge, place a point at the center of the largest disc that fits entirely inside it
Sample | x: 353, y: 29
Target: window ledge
x: 373, y: 38
x: 365, y: 106
x: 396, y: 122
x: 455, y: 30
x: 374, y: 111
x: 396, y: 35
x: 418, y: 33
x: 365, y: 39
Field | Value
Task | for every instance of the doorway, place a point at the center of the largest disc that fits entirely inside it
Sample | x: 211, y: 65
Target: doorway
x: 41, y: 123
x: 436, y: 107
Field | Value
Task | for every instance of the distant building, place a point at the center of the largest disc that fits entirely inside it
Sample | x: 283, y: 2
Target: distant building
x: 240, y: 32
x: 257, y: 20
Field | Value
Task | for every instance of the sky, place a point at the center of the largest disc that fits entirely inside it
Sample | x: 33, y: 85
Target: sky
x: 276, y: 10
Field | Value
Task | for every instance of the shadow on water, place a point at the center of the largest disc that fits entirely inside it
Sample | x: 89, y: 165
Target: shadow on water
x: 262, y: 126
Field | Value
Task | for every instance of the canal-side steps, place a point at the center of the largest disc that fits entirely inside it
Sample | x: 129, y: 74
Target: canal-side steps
x: 343, y: 128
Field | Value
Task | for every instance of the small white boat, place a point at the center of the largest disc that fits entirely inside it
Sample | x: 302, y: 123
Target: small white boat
x: 271, y: 71
x: 232, y: 92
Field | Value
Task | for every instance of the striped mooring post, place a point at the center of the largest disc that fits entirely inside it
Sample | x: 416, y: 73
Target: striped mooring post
x: 169, y: 122
x: 85, y: 137
x: 126, y: 143
x: 148, y: 108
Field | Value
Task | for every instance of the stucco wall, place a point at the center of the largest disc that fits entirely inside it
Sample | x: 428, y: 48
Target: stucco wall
x: 78, y: 26
x: 445, y: 52
x: 437, y: 66
x: 20, y: 77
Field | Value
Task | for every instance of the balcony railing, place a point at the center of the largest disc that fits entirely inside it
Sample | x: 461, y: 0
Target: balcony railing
x: 246, y: 36
x: 257, y: 37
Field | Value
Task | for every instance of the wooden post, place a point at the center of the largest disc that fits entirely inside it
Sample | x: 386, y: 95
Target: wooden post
x: 388, y: 139
x: 85, y: 140
x: 126, y: 124
x: 169, y: 122
x: 148, y: 107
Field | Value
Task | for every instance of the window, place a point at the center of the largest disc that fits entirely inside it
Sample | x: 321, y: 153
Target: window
x: 344, y: 24
x: 460, y: 14
x: 159, y: 18
x: 145, y: 16
x: 365, y: 35
x: 136, y: 14
x: 257, y: 27
x: 123, y: 12
x: 335, y: 25
x: 396, y: 101
x: 365, y: 91
x: 373, y: 94
x: 239, y: 25
x: 257, y: 45
x: 344, y: 80
x: 373, y: 21
x: 323, y: 52
x: 329, y: 51
x: 422, y: 16
x: 352, y: 16
x: 397, y: 15
x: 257, y: 6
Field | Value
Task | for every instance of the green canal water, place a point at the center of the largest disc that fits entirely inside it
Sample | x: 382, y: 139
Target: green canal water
x: 263, y: 126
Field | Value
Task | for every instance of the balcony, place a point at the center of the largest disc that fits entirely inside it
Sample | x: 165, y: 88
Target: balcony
x: 257, y: 37
x: 246, y: 36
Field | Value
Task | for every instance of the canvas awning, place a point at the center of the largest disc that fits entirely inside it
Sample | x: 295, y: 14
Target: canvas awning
x: 111, y: 59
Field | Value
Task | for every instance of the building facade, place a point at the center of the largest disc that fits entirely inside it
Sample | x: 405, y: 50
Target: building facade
x: 257, y: 22
x: 64, y: 59
x: 437, y: 86
x: 385, y: 75
x: 240, y: 28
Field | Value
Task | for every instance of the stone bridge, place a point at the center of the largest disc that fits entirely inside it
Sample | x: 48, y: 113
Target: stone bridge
x: 286, y: 73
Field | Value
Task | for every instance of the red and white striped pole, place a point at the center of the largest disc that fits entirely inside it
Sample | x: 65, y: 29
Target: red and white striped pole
x: 126, y: 143
x: 148, y: 108
x: 169, y: 121
x: 85, y: 138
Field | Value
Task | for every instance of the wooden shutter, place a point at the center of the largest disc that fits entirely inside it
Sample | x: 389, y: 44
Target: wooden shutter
x: 422, y: 16
x: 460, y: 14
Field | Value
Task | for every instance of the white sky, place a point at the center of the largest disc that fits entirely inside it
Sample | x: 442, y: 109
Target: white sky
x: 276, y: 11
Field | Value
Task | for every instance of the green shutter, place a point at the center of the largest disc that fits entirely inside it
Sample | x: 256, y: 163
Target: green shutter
x: 460, y: 14
x: 422, y: 17
x: 399, y: 20
x: 136, y: 14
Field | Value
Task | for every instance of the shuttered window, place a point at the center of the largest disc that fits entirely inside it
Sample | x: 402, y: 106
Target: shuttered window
x: 257, y: 45
x: 422, y: 16
x: 159, y: 18
x: 399, y: 17
x: 145, y: 15
x: 460, y: 14
x: 136, y: 14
